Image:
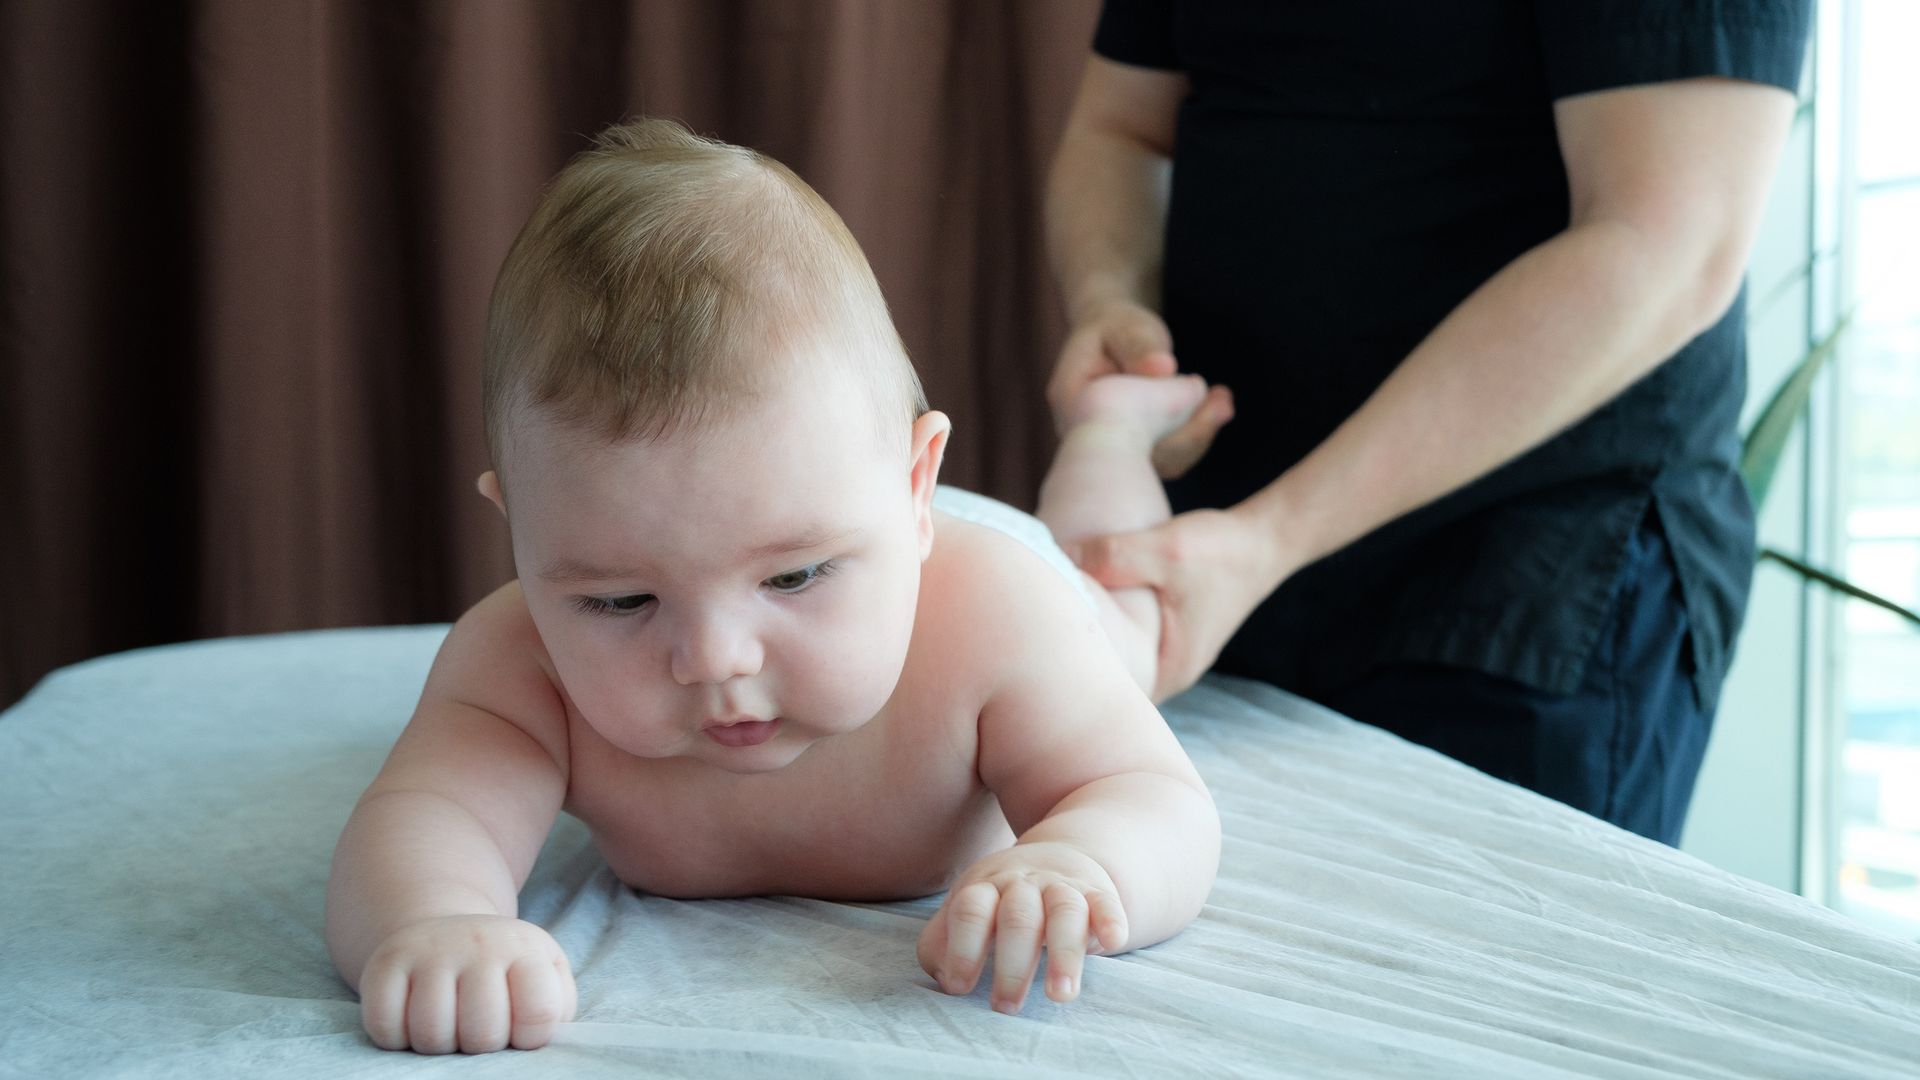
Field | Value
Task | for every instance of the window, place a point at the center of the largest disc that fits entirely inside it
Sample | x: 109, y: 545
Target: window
x: 1876, y: 679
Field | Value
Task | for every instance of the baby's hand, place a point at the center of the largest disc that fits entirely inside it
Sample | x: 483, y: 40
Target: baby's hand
x: 1022, y: 898
x: 475, y: 983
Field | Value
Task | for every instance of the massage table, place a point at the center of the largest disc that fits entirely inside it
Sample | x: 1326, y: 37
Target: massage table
x: 167, y: 816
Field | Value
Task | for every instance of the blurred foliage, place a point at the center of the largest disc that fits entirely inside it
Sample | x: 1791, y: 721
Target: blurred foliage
x: 1767, y: 440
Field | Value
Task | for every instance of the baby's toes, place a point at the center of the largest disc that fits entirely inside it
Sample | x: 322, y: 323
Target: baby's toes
x: 1182, y: 449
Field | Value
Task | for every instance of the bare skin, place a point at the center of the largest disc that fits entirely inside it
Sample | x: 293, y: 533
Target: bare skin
x: 752, y: 659
x: 1667, y: 184
x: 1103, y: 481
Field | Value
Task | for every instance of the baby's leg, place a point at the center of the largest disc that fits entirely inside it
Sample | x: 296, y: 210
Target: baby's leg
x: 1102, y: 481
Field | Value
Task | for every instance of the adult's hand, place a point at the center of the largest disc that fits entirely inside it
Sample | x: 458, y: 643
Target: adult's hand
x: 1123, y: 337
x: 1209, y: 569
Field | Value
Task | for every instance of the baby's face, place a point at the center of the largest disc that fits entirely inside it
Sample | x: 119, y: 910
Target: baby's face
x: 730, y: 594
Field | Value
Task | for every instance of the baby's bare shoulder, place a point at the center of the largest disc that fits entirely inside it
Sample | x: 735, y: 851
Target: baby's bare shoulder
x: 493, y: 660
x: 1060, y: 707
x: 990, y: 597
x: 489, y: 734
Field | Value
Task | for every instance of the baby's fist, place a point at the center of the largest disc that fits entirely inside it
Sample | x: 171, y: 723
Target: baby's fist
x: 473, y: 983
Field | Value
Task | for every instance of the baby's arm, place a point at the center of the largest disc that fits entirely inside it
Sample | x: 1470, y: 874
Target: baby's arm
x: 422, y: 898
x: 1117, y: 833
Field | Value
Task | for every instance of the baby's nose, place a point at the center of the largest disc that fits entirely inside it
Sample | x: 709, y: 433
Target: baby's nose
x: 715, y: 649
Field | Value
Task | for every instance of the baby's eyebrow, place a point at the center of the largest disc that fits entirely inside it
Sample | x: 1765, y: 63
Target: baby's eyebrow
x: 814, y: 536
x: 569, y: 570
x: 562, y: 571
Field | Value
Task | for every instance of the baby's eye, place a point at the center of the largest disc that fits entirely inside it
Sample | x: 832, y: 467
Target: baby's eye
x: 617, y: 605
x: 795, y: 580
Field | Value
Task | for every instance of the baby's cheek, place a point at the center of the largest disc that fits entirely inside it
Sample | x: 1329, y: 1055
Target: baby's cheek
x: 618, y: 698
x: 638, y: 724
x: 841, y: 670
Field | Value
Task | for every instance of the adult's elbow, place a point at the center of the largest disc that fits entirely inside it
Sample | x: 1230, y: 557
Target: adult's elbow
x: 1716, y: 283
x: 1691, y: 283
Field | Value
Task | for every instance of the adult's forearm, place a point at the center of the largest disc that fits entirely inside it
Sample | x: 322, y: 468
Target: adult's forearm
x: 406, y: 856
x: 1157, y: 836
x: 1105, y: 216
x: 1548, y: 340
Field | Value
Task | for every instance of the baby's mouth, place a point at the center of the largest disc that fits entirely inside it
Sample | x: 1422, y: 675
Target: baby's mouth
x: 742, y: 732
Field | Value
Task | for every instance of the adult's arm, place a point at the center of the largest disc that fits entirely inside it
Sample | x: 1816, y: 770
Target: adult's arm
x: 1106, y: 218
x: 1668, y: 182
x: 1107, y: 192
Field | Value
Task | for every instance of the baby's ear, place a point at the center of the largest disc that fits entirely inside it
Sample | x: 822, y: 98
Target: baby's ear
x: 929, y: 445
x: 489, y: 485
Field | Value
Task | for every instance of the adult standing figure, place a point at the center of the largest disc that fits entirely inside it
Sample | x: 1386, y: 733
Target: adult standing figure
x: 1472, y: 273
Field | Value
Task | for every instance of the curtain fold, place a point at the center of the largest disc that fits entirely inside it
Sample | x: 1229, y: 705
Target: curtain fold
x: 246, y: 249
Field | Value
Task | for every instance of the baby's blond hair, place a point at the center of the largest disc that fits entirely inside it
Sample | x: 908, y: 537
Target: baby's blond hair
x: 665, y: 280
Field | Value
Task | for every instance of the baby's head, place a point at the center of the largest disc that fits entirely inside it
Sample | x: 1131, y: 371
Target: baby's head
x: 712, y: 451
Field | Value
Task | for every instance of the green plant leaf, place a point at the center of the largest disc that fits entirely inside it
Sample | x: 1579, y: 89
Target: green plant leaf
x: 1838, y: 584
x: 1760, y: 457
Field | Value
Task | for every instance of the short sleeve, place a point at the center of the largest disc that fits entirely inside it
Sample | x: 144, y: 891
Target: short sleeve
x: 1137, y: 32
x: 1602, y: 44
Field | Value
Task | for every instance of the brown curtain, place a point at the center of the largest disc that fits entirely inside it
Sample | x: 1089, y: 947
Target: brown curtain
x: 246, y: 248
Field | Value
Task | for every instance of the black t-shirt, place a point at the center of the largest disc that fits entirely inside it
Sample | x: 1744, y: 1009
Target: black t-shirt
x: 1346, y: 172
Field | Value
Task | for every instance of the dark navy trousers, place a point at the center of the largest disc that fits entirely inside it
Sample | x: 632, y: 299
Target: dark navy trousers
x: 1625, y: 746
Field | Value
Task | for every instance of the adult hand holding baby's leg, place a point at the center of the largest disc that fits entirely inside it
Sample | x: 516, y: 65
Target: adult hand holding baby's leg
x: 1018, y: 900
x: 475, y: 983
x: 1125, y: 337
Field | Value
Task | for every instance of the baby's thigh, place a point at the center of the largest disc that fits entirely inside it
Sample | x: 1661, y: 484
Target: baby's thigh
x: 1131, y: 618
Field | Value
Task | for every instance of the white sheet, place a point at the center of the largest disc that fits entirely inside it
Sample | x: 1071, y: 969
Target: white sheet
x: 166, y: 818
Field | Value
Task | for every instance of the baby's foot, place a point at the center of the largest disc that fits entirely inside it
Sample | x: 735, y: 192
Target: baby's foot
x: 1149, y: 406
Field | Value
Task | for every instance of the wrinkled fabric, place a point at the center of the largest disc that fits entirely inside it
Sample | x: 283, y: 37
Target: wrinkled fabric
x: 1381, y: 911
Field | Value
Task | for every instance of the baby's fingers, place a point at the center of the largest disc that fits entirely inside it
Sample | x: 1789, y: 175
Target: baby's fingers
x: 1017, y: 952
x: 540, y: 997
x: 485, y: 1018
x: 430, y: 1015
x: 970, y: 918
x: 931, y: 949
x: 1066, y: 939
x: 383, y: 1005
x: 1108, y: 921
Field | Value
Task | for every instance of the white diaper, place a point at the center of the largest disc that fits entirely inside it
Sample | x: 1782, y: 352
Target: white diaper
x: 1022, y: 526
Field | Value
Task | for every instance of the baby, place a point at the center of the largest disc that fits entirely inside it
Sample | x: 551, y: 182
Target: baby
x: 751, y: 646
